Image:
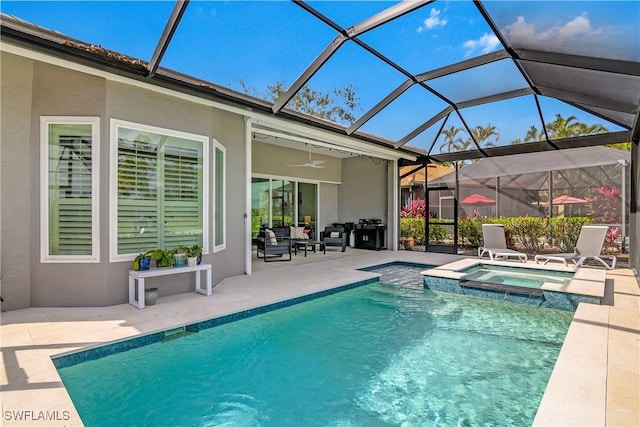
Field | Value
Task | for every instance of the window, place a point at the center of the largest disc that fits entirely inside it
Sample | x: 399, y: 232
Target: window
x: 159, y: 189
x: 219, y: 231
x: 69, y: 189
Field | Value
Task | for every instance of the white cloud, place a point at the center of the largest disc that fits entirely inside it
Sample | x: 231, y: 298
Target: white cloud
x: 433, y: 21
x: 485, y: 44
x: 576, y: 29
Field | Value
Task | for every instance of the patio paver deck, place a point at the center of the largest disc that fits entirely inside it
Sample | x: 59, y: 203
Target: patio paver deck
x: 31, y: 336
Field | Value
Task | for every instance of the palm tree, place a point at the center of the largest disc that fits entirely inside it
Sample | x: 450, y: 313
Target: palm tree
x: 482, y: 135
x: 565, y: 128
x: 594, y: 129
x: 534, y: 135
x: 452, y: 142
x: 562, y: 128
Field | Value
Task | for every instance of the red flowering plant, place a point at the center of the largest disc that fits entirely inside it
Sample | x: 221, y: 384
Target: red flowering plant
x: 611, y: 238
x: 415, y: 210
x: 606, y: 205
x: 412, y: 221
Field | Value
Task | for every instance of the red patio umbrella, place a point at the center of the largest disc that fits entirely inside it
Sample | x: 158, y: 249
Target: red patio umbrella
x: 566, y: 200
x: 477, y: 199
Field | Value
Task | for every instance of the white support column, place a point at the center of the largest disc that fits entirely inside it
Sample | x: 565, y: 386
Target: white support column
x: 247, y: 202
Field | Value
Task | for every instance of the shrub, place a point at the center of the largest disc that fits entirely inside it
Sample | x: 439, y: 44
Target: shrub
x: 470, y: 231
x: 526, y: 230
x: 564, y: 232
x: 416, y: 210
x: 413, y: 227
x: 437, y: 234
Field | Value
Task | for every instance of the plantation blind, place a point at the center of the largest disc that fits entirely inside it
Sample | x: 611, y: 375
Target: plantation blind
x: 160, y: 193
x: 70, y: 189
x: 182, y: 197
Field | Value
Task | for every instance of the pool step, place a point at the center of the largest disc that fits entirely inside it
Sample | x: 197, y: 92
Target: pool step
x: 508, y: 289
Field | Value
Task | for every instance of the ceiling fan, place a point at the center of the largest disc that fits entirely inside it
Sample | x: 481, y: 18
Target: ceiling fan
x: 311, y: 163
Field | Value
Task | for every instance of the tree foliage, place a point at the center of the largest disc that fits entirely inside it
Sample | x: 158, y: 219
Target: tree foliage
x: 338, y: 105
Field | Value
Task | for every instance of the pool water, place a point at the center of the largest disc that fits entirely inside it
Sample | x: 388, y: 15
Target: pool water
x: 527, y: 278
x: 376, y: 355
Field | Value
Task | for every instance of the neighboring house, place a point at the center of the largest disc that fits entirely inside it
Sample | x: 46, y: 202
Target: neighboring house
x: 412, y: 185
x: 100, y: 164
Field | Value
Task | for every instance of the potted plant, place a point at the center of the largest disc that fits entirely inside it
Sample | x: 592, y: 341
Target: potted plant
x: 192, y: 255
x: 162, y: 257
x: 408, y: 243
x: 195, y: 251
x: 141, y: 262
x: 180, y: 256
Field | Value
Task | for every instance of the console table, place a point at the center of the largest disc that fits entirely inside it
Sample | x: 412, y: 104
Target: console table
x: 140, y: 276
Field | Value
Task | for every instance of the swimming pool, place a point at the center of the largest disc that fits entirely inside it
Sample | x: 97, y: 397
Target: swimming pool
x: 375, y: 355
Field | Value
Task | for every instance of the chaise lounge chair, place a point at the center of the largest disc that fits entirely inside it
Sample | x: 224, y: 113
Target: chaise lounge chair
x: 589, y: 245
x: 495, y: 244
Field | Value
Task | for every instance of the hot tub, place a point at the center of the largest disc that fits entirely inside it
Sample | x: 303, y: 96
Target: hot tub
x: 531, y: 284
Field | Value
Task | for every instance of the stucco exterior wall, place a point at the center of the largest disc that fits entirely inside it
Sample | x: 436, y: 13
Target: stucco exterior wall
x: 328, y: 213
x: 32, y: 89
x: 364, y: 191
x: 273, y: 160
x: 15, y: 181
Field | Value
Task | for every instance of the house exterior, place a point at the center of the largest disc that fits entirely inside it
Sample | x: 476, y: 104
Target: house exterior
x: 99, y: 165
x: 100, y: 160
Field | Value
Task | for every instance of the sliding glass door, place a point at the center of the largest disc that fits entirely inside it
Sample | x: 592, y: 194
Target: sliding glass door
x: 307, y: 201
x: 260, y: 204
x: 282, y: 202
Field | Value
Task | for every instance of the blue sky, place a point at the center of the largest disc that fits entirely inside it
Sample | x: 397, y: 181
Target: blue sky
x: 262, y: 42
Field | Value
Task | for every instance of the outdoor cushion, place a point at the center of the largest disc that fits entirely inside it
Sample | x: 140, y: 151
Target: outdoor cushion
x: 272, y: 237
x: 298, y: 233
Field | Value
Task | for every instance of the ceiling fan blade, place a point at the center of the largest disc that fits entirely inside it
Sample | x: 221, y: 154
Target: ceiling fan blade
x: 311, y: 163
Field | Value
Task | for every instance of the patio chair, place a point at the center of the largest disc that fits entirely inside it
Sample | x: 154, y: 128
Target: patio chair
x: 589, y: 245
x: 335, y: 236
x: 273, y: 244
x: 495, y: 244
